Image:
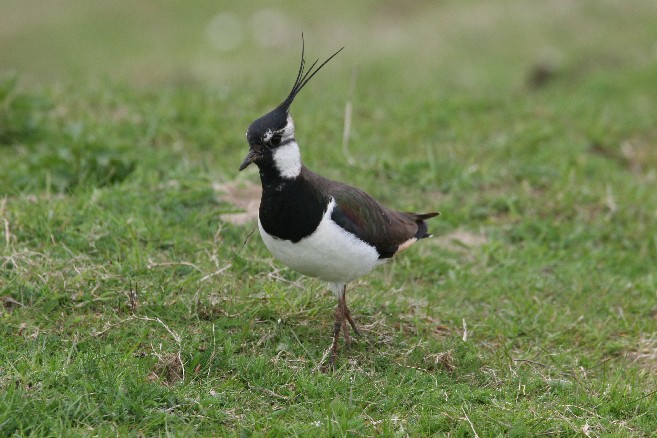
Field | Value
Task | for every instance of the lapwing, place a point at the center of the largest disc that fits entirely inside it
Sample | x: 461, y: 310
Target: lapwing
x: 316, y: 226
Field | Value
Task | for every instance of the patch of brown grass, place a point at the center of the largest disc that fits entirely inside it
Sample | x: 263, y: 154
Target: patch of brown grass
x: 645, y: 356
x: 459, y: 240
x: 168, y: 369
x: 243, y: 195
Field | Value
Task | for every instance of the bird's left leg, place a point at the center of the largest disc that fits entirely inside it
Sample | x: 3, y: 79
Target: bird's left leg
x: 347, y: 315
x: 342, y: 316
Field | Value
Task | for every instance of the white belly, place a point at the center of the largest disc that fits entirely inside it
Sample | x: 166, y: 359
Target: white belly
x: 330, y: 253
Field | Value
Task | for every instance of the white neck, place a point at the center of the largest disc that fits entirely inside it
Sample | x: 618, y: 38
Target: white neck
x: 287, y: 160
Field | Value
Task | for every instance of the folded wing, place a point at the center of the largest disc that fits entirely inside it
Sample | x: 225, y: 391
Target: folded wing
x: 387, y: 230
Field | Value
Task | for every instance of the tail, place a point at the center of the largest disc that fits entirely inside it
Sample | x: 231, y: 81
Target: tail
x: 421, y: 225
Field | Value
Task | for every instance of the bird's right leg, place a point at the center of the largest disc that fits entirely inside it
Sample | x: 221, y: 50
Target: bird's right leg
x: 337, y: 325
x: 340, y: 314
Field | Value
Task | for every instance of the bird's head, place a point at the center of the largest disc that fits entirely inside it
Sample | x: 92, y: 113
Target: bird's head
x: 271, y: 137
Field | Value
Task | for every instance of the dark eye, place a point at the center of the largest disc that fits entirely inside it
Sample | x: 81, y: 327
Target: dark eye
x: 275, y: 140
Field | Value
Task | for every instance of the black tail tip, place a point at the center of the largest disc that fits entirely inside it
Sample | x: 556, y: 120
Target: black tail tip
x: 421, y: 225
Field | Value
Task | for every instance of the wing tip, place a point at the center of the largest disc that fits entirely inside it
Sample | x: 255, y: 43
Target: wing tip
x: 425, y: 216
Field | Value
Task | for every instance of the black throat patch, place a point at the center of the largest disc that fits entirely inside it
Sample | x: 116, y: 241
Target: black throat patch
x: 291, y: 209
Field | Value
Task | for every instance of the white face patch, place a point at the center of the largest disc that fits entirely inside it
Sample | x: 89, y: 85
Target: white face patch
x: 288, y: 131
x: 287, y: 160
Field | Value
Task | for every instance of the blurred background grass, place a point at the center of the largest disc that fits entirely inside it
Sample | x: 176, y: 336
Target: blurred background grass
x: 475, y: 45
x: 446, y: 65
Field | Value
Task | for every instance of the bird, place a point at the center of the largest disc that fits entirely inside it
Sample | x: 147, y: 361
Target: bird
x: 319, y: 227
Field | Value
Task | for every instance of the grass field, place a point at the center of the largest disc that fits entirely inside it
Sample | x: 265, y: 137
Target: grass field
x: 134, y: 302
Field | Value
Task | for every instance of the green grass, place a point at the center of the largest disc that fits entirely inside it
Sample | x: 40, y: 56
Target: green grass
x: 130, y: 307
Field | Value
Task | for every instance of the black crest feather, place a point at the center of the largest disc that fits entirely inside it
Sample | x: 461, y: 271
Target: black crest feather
x: 303, y: 77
